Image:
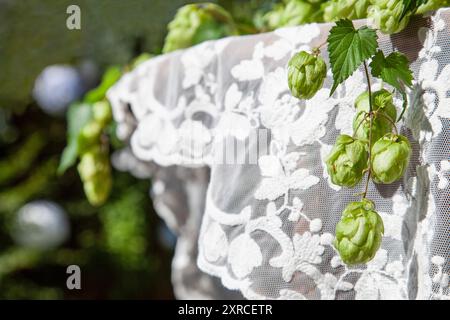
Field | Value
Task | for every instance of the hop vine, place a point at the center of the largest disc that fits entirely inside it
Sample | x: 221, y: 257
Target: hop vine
x: 376, y: 150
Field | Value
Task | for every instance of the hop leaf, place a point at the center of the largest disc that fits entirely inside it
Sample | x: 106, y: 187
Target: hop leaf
x: 393, y: 69
x: 112, y: 74
x: 348, y: 48
x: 359, y: 232
x: 79, y: 115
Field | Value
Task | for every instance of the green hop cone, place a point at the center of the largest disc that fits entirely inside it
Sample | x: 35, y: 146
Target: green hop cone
x: 432, y: 5
x: 92, y: 162
x: 195, y: 23
x: 389, y: 158
x: 102, y: 112
x: 350, y: 9
x: 294, y: 13
x: 98, y: 189
x: 383, y: 104
x: 347, y: 161
x: 95, y: 172
x: 385, y: 15
x: 274, y: 18
x: 306, y: 73
x: 89, y: 135
x: 359, y: 232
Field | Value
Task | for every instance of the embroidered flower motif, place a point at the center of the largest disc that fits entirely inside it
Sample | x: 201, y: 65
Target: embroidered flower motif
x: 273, y: 85
x: 336, y: 262
x: 194, y: 137
x: 299, y: 35
x: 328, y: 284
x: 443, y: 181
x: 440, y: 279
x: 393, y: 223
x: 296, y: 211
x: 435, y: 99
x: 252, y: 69
x: 344, y: 98
x: 307, y: 252
x: 215, y: 244
x: 244, y: 254
x: 278, y: 181
x: 428, y: 36
x: 315, y: 225
x: 286, y: 294
x: 376, y: 283
x: 307, y: 248
x: 235, y: 119
x: 146, y: 137
x: 195, y: 62
x: 310, y: 127
x: 279, y: 107
x: 278, y: 49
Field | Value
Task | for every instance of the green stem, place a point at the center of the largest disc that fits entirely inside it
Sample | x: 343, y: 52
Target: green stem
x: 322, y: 44
x: 369, y: 170
x: 369, y: 87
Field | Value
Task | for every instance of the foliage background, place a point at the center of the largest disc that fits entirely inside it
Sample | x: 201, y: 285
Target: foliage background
x: 122, y: 247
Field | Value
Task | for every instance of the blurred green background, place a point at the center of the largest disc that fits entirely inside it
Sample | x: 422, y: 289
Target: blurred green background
x: 123, y: 248
x: 118, y: 245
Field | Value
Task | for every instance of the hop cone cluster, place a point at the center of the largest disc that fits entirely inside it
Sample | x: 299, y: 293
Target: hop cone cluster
x: 386, y: 15
x: 94, y: 167
x: 389, y: 158
x: 306, y: 73
x: 385, y: 115
x: 293, y: 13
x: 359, y: 232
x: 432, y: 5
x: 350, y: 9
x: 195, y: 23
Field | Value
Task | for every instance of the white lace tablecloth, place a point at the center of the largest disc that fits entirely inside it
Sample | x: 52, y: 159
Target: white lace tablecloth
x: 261, y: 226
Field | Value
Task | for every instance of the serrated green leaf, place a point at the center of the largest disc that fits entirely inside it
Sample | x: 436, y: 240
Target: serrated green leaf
x: 394, y: 70
x: 348, y: 48
x: 110, y: 77
x: 78, y: 115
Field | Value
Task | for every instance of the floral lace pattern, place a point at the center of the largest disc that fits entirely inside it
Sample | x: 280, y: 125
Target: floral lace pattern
x: 268, y: 226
